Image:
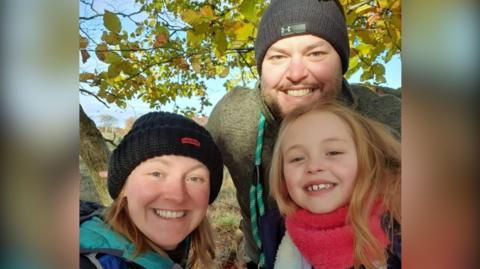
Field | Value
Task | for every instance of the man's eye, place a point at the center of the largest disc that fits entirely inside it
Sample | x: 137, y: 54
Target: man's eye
x: 317, y: 53
x: 195, y: 179
x: 276, y: 57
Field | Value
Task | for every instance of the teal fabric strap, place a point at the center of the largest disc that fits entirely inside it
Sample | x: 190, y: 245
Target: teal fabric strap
x: 256, y: 191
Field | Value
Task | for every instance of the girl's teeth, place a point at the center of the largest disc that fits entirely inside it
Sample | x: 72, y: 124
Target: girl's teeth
x: 299, y: 93
x: 169, y: 214
x: 319, y: 187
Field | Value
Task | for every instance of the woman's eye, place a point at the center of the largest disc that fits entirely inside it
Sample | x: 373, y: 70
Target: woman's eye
x: 156, y: 174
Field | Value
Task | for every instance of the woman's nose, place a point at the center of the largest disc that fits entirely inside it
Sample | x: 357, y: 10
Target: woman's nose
x: 174, y: 189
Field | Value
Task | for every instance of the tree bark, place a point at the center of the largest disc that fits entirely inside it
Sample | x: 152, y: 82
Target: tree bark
x: 95, y: 153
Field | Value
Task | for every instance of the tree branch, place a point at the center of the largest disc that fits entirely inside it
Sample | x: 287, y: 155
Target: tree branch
x: 88, y: 36
x: 94, y: 95
x: 246, y: 63
x: 118, y: 13
x: 111, y: 141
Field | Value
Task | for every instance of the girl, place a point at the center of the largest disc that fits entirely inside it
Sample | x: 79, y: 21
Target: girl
x: 162, y: 177
x: 336, y: 178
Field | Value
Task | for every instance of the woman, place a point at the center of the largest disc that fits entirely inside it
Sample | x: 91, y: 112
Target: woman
x: 162, y: 177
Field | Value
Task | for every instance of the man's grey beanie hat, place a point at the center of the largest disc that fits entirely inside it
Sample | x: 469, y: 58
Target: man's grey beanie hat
x: 284, y: 18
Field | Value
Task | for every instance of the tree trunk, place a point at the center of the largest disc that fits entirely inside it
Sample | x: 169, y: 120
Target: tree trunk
x: 95, y: 153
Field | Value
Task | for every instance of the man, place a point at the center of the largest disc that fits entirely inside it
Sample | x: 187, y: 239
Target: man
x: 301, y: 52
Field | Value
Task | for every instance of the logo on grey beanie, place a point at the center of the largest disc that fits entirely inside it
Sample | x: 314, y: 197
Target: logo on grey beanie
x: 292, y: 29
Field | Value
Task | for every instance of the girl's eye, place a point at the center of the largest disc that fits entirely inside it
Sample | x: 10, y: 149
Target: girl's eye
x: 333, y: 153
x: 297, y: 159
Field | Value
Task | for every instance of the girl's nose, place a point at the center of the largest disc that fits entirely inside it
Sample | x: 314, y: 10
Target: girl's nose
x: 315, y: 166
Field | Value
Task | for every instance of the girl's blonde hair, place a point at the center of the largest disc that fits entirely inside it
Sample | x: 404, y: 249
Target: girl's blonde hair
x: 378, y: 177
x: 202, y: 245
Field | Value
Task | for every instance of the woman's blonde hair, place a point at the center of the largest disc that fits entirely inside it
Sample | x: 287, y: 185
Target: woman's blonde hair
x: 378, y: 177
x: 202, y: 248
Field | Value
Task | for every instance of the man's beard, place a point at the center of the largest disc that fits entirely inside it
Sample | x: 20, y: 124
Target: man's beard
x: 272, y: 102
x: 272, y: 105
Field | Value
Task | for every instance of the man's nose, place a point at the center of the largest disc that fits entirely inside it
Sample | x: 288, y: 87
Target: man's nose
x: 297, y: 70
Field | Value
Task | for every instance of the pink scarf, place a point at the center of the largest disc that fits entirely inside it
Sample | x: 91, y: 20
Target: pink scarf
x: 326, y: 240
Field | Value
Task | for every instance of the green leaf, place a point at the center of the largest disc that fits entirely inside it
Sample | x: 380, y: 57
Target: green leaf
x: 221, y: 42
x: 125, y: 50
x: 113, y: 57
x: 193, y: 39
x: 111, y: 38
x: 112, y: 22
x: 114, y: 70
x: 249, y: 10
x: 128, y: 68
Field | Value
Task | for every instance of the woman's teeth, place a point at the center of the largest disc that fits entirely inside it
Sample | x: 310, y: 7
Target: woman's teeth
x: 299, y: 93
x: 318, y: 187
x: 168, y: 214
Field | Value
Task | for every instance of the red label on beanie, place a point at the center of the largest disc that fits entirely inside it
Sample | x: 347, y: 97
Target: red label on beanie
x: 191, y: 141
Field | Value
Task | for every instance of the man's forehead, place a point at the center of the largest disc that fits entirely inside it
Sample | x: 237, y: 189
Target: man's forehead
x: 306, y: 40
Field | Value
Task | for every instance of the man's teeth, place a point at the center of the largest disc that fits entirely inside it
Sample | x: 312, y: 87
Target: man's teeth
x: 301, y: 92
x: 319, y: 187
x: 169, y: 214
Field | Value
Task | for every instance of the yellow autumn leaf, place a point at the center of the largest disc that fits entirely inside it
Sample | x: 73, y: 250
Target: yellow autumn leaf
x: 363, y: 9
x: 244, y: 31
x: 83, y: 42
x: 395, y: 5
x: 207, y: 11
x: 86, y: 76
x: 110, y: 98
x: 384, y: 3
x: 191, y: 17
x: 195, y: 62
x: 101, y: 52
x: 224, y: 72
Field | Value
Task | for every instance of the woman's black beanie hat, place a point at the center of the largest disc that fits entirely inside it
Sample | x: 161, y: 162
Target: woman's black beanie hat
x: 163, y: 133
